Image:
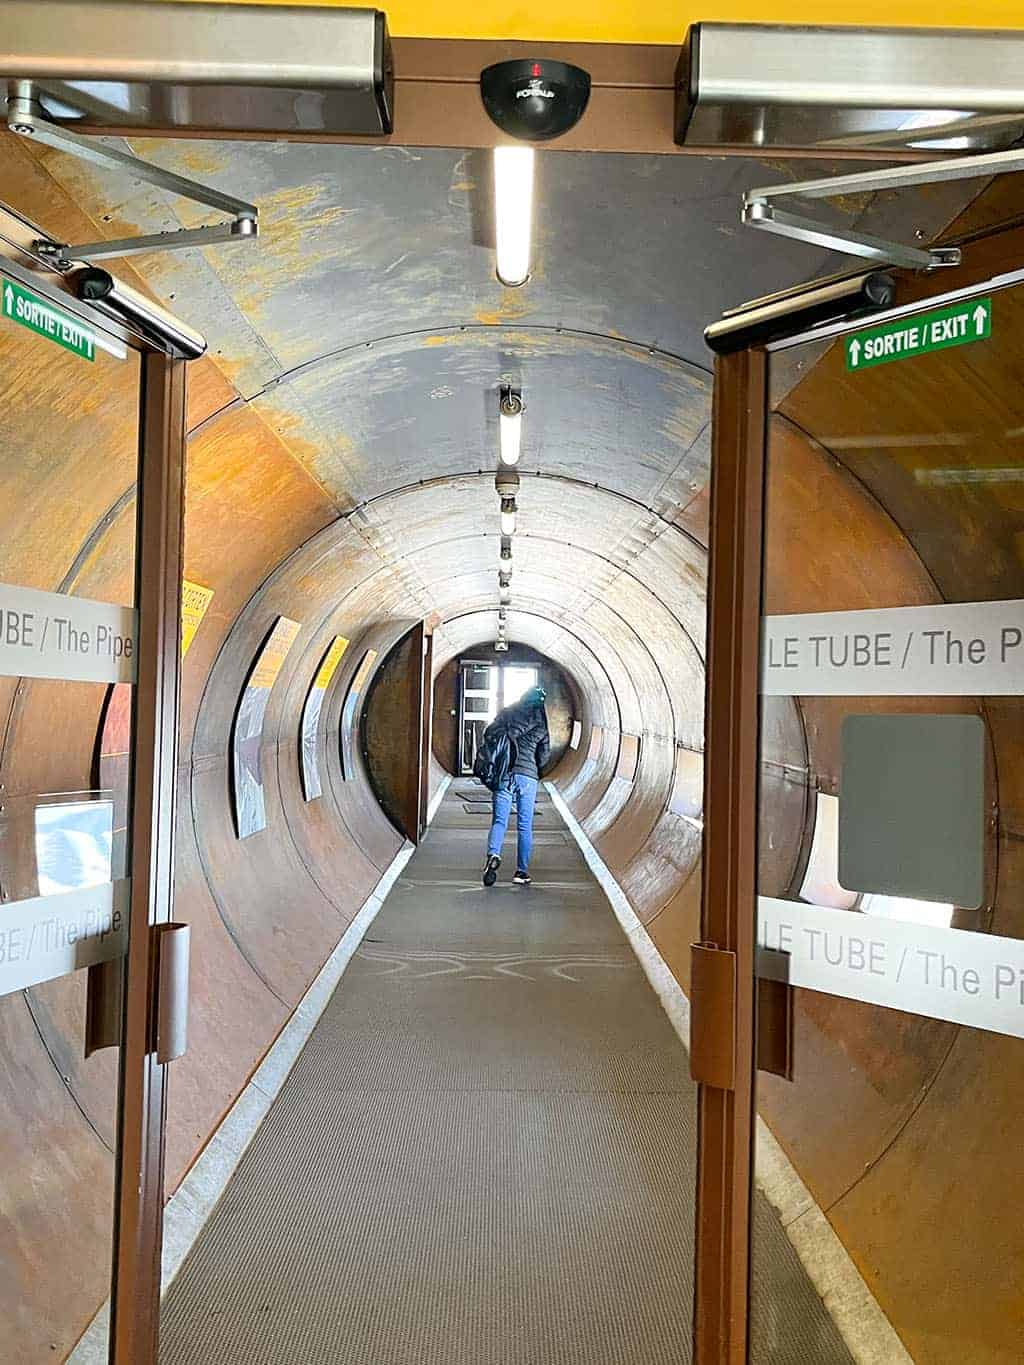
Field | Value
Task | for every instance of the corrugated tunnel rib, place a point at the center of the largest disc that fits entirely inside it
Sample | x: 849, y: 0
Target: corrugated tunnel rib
x: 341, y: 509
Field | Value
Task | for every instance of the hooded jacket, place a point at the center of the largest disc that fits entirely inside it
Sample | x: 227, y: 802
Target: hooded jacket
x: 527, y: 726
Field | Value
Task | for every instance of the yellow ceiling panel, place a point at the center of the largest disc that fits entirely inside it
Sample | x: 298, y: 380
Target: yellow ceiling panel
x: 629, y: 21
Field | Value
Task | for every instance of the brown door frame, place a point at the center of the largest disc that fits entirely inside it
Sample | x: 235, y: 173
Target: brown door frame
x: 139, y: 1156
x: 413, y: 813
x: 426, y: 724
x: 726, y: 1103
x: 437, y: 103
x: 138, y: 1234
x: 725, y: 1112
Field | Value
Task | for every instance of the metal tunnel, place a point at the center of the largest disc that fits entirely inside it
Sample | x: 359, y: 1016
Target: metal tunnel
x: 341, y: 533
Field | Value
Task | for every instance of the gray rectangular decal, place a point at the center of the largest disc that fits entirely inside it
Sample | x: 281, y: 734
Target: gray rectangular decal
x: 51, y: 936
x: 51, y: 635
x: 962, y: 649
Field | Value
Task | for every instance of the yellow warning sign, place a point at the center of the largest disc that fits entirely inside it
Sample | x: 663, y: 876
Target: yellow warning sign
x: 269, y: 663
x: 331, y: 661
x: 362, y: 673
x: 194, y: 601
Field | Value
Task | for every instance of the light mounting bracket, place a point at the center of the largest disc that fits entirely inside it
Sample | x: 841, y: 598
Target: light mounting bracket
x: 25, y: 118
x: 760, y: 208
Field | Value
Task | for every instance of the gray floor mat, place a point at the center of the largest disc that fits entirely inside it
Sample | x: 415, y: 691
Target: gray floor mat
x: 484, y: 1155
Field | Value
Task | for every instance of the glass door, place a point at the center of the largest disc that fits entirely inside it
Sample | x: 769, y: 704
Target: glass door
x: 515, y: 680
x: 69, y: 436
x: 890, y: 881
x: 79, y: 679
x: 478, y: 705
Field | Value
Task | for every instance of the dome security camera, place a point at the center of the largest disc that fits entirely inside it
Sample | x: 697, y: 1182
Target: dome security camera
x: 535, y: 100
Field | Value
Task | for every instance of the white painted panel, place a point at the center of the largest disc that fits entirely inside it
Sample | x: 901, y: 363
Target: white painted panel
x: 51, y: 936
x: 952, y: 974
x: 965, y: 649
x: 51, y: 635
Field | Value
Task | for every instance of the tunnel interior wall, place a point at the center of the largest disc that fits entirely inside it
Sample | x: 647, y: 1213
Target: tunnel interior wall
x: 304, y: 501
x: 266, y: 911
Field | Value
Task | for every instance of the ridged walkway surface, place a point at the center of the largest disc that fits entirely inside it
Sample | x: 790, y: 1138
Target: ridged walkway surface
x: 484, y: 1154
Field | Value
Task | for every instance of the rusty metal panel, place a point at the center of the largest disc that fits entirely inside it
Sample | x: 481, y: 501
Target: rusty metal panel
x: 632, y: 831
x: 322, y: 207
x: 234, y: 1014
x: 677, y: 926
x: 445, y: 728
x: 661, y: 866
x: 390, y: 732
x: 43, y: 1136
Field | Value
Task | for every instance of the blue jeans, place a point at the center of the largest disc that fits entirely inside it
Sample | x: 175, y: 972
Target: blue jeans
x: 524, y: 792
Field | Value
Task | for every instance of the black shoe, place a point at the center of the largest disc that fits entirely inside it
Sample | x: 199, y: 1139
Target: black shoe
x: 491, y: 870
x: 522, y: 879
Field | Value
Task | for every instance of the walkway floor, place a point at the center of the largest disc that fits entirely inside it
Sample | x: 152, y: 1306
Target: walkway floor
x: 485, y: 1153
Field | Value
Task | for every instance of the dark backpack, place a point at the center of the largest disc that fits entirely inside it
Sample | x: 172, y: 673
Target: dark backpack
x: 495, y: 757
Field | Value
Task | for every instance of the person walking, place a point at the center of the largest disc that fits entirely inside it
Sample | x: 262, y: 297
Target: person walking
x: 525, y: 723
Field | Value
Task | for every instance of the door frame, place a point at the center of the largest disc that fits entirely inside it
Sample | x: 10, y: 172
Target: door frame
x: 465, y: 715
x: 426, y: 725
x: 724, y: 1025
x: 141, y: 1112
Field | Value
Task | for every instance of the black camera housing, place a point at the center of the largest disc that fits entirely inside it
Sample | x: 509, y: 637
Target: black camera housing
x: 535, y: 101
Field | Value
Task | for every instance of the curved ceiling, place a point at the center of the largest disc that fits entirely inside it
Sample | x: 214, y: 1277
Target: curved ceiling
x: 367, y: 331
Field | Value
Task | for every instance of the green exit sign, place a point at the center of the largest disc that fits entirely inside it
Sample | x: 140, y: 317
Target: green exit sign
x: 960, y: 323
x: 46, y: 319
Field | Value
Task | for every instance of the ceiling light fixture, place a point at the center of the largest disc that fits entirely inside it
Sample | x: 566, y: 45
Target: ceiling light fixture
x: 506, y: 543
x: 513, y: 212
x: 504, y: 596
x: 504, y: 578
x: 508, y: 516
x: 510, y: 424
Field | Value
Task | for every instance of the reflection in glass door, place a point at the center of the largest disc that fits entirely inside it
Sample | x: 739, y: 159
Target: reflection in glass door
x: 515, y: 680
x: 478, y: 705
x: 69, y: 436
x: 890, y: 887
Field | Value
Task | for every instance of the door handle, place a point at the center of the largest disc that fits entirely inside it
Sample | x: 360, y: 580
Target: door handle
x: 713, y: 1016
x: 104, y: 997
x: 173, y: 944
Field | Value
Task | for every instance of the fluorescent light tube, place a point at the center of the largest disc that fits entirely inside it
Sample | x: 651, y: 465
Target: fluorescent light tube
x: 513, y: 212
